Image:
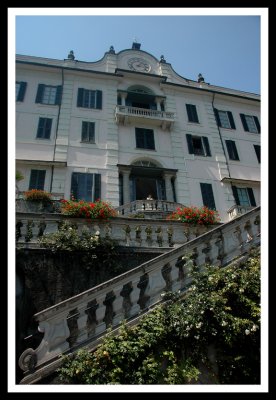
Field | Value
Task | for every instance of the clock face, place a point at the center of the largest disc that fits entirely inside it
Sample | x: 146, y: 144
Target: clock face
x: 138, y: 64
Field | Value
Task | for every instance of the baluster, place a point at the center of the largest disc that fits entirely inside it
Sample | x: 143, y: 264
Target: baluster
x: 36, y: 225
x: 100, y: 313
x: 143, y: 297
x: 82, y: 325
x: 201, y: 256
x: 148, y: 231
x: 166, y: 274
x: 134, y: 297
x: 51, y: 227
x: 170, y: 233
x: 257, y: 225
x: 181, y: 275
x: 109, y: 313
x: 72, y: 322
x: 118, y: 306
x: 138, y: 231
x: 159, y: 233
x: 249, y: 232
x: 154, y: 242
x: 18, y: 234
x: 156, y: 285
x: 206, y: 252
x: 41, y: 228
x: 125, y: 293
x: 143, y: 236
x: 220, y: 244
x: 91, y: 322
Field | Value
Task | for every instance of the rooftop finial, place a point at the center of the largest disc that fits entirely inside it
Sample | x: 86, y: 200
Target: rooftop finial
x: 200, y: 78
x: 71, y: 55
x: 162, y: 59
x: 136, y: 45
x: 111, y: 50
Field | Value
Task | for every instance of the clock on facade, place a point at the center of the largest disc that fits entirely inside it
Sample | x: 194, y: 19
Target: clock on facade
x: 139, y: 64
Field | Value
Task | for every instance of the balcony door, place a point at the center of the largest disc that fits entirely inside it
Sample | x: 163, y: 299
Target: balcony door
x: 142, y: 186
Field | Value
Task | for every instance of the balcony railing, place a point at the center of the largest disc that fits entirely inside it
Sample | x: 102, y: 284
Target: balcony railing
x: 127, y: 114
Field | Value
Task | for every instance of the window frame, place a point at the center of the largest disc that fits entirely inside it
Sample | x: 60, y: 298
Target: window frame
x: 88, y: 133
x: 36, y: 186
x: 55, y: 99
x: 258, y: 152
x: 233, y: 154
x: 192, y: 113
x: 204, y: 144
x: 45, y: 129
x: 146, y: 140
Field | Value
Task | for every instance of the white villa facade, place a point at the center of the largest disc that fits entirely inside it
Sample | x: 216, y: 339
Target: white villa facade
x: 128, y: 125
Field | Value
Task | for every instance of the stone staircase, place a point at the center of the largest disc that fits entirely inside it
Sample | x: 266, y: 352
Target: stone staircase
x: 83, y: 319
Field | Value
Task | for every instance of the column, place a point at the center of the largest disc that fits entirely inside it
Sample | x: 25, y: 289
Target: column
x: 126, y: 193
x: 158, y: 101
x: 168, y: 186
x: 123, y: 97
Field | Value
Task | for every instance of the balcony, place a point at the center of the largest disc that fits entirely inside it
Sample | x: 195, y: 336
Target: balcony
x: 131, y: 115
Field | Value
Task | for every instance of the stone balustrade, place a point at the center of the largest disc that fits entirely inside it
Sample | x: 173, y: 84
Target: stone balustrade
x: 148, y: 207
x: 83, y: 319
x: 131, y: 232
x: 144, y: 112
x: 236, y: 211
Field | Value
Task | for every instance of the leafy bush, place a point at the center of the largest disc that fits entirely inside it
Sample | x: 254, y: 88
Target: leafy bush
x: 171, y: 344
x: 38, y: 195
x: 195, y: 215
x: 83, y: 209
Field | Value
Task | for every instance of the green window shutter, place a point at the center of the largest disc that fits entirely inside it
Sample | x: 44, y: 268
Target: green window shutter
x: 192, y: 113
x: 97, y: 186
x: 139, y: 133
x: 58, y: 95
x: 206, y: 146
x: 40, y: 128
x: 257, y: 124
x: 84, y: 131
x: 207, y: 195
x: 39, y: 94
x: 231, y: 120
x: 235, y: 194
x: 37, y: 179
x: 91, y: 131
x: 217, y: 117
x: 48, y: 128
x: 232, y: 150
x: 80, y: 97
x: 22, y: 90
x: 149, y: 139
x: 99, y: 99
x: 245, y: 126
x: 190, y: 143
x: 258, y: 151
x: 251, y: 197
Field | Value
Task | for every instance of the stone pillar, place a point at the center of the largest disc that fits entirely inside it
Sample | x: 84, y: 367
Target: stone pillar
x: 123, y: 97
x: 158, y: 101
x: 168, y: 185
x: 126, y: 193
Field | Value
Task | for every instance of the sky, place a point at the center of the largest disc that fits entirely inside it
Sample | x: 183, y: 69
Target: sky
x: 225, y: 49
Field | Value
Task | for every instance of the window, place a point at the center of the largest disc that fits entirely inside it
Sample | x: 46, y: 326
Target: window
x: 48, y: 94
x: 86, y: 186
x: 207, y: 195
x: 44, y: 128
x: 89, y: 98
x: 144, y: 138
x: 198, y: 145
x: 244, y: 196
x: 37, y: 179
x: 225, y: 119
x: 192, y: 113
x: 250, y: 123
x: 20, y: 90
x: 88, y: 132
x: 232, y: 150
x: 258, y: 151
